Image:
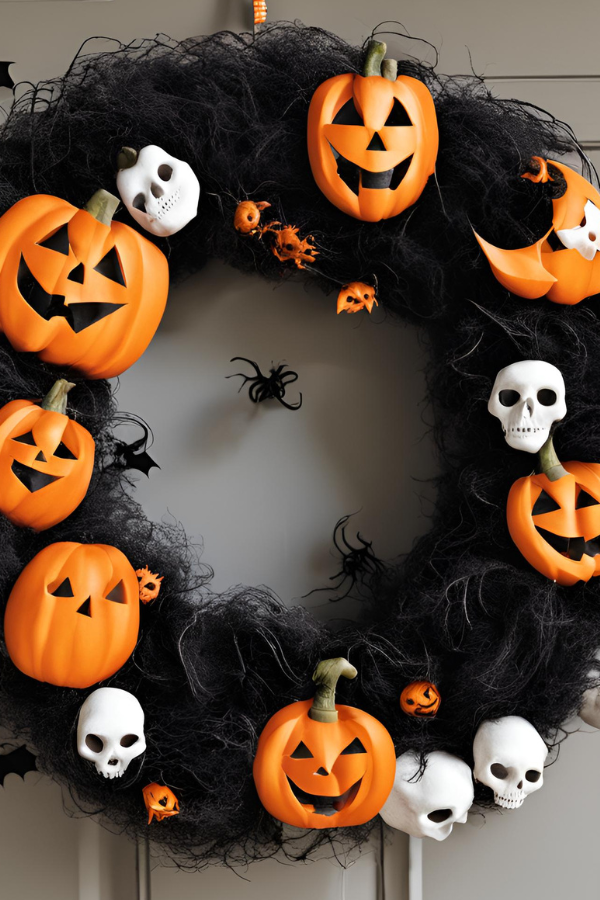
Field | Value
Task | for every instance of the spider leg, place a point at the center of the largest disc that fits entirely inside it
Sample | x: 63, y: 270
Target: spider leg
x: 291, y: 376
x: 338, y: 524
x: 362, y: 540
x: 290, y: 405
x: 250, y: 362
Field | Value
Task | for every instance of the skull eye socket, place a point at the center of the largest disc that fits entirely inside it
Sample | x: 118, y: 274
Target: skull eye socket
x: 165, y: 172
x: 301, y: 752
x: 63, y: 452
x: 348, y: 115
x: 533, y: 775
x: 398, y: 115
x: 64, y: 589
x: 498, y: 771
x: 58, y: 241
x: 354, y: 747
x: 439, y: 815
x: 547, y: 397
x: 509, y: 398
x: 117, y: 595
x: 110, y: 267
x: 129, y: 740
x: 26, y: 438
x: 584, y: 499
x: 95, y: 743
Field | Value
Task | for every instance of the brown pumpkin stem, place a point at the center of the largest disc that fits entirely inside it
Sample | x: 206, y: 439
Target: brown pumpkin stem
x: 549, y: 462
x: 56, y: 398
x: 127, y: 158
x: 375, y: 53
x: 326, y: 677
x: 389, y: 69
x: 102, y: 206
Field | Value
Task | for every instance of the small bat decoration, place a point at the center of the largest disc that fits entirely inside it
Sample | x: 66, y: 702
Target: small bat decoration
x: 134, y: 455
x: 5, y: 79
x: 19, y: 761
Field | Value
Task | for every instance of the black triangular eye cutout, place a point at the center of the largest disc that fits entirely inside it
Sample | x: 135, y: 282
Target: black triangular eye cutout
x: 85, y: 608
x: 544, y: 504
x: 354, y: 747
x: 59, y: 241
x: 110, y: 267
x: 26, y: 438
x: 584, y: 500
x: 348, y: 115
x: 63, y: 452
x: 117, y: 595
x: 301, y: 752
x: 376, y: 143
x: 64, y: 589
x: 76, y: 274
x: 398, y: 115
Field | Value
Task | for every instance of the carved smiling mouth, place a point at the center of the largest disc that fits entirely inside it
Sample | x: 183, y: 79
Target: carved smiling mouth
x: 355, y: 177
x: 573, y: 548
x: 31, y: 478
x: 325, y: 806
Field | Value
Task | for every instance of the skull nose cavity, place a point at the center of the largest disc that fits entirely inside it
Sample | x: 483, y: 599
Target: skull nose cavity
x: 321, y: 771
x: 113, y: 762
x: 592, y: 236
x: 520, y: 786
x: 157, y: 190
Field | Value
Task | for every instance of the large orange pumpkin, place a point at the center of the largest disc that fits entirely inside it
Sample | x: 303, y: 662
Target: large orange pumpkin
x: 76, y: 288
x: 72, y: 618
x: 372, y: 139
x: 320, y: 765
x: 46, y: 460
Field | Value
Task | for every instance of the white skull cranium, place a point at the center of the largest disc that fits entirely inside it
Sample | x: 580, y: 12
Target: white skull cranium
x: 509, y: 757
x: 110, y: 730
x: 430, y: 804
x: 528, y: 397
x: 584, y: 238
x: 160, y: 191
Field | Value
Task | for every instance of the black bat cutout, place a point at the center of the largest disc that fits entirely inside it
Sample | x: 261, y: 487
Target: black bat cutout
x: 19, y: 762
x: 5, y: 79
x: 134, y: 455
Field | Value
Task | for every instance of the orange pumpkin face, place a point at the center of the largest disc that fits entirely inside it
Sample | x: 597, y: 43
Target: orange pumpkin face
x: 247, y: 216
x: 160, y: 802
x: 372, y: 143
x: 72, y: 617
x: 76, y: 291
x: 556, y: 524
x: 46, y: 462
x: 356, y: 296
x: 421, y: 699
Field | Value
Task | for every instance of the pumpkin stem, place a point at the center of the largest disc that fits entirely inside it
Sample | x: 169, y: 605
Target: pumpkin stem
x: 56, y: 398
x: 375, y: 53
x: 326, y: 677
x: 127, y: 158
x: 389, y: 69
x: 549, y: 462
x: 102, y: 206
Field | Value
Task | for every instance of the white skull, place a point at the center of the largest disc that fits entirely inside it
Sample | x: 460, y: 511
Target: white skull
x: 509, y: 758
x: 428, y: 806
x: 584, y: 238
x: 160, y: 191
x: 590, y: 701
x: 528, y: 397
x: 110, y: 730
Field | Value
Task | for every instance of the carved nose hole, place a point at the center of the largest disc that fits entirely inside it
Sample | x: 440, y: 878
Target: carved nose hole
x: 376, y: 143
x: 592, y: 236
x: 321, y: 771
x: 84, y: 609
x: 157, y: 191
x: 40, y: 457
x: 113, y: 762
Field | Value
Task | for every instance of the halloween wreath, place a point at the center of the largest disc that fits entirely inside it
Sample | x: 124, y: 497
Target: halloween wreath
x: 473, y: 653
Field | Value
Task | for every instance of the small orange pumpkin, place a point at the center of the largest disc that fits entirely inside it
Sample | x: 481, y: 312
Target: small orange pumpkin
x: 356, y: 296
x: 46, y: 460
x: 149, y: 583
x: 247, y: 216
x: 160, y: 801
x: 72, y: 617
x: 372, y: 139
x: 421, y: 699
x: 321, y: 765
x: 76, y: 288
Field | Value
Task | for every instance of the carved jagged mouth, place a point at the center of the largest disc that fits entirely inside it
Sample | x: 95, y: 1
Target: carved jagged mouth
x: 355, y: 177
x: 31, y: 478
x: 573, y: 548
x: 325, y: 806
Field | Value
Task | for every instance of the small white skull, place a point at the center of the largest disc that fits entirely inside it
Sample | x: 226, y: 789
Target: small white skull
x: 428, y: 806
x: 509, y: 758
x: 110, y: 730
x: 584, y: 238
x: 160, y: 191
x: 528, y: 397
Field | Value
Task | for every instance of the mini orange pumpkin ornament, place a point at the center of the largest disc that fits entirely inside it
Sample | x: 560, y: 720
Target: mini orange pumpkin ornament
x: 356, y: 296
x: 160, y: 801
x: 569, y: 272
x: 372, y: 139
x: 76, y: 288
x: 288, y: 247
x: 421, y: 699
x: 72, y: 617
x: 247, y: 216
x: 149, y: 584
x: 46, y: 460
x: 322, y: 765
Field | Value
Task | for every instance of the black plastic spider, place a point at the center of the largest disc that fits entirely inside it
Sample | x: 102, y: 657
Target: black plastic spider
x: 358, y: 563
x: 268, y: 387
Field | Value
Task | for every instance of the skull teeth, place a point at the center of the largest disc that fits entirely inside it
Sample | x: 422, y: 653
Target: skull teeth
x: 510, y: 801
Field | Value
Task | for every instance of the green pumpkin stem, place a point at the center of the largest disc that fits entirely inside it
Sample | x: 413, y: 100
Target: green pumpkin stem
x: 102, y: 206
x: 326, y: 677
x: 56, y: 398
x: 549, y: 463
x: 127, y: 158
x: 389, y: 69
x: 375, y: 53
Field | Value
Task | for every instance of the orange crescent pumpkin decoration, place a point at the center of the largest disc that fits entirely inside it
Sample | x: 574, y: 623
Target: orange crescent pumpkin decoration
x: 563, y: 275
x: 320, y: 765
x: 46, y: 460
x: 76, y: 288
x: 421, y: 699
x: 372, y: 139
x: 554, y: 518
x: 72, y: 617
x: 356, y: 296
x: 160, y: 801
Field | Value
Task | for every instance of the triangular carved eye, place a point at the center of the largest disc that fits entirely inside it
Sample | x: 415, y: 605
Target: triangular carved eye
x: 398, y: 115
x: 301, y: 752
x: 354, y: 747
x: 110, y: 267
x: 544, y: 504
x: 348, y: 115
x: 117, y: 595
x: 27, y: 438
x: 584, y: 500
x: 59, y: 241
x: 64, y: 589
x: 63, y: 452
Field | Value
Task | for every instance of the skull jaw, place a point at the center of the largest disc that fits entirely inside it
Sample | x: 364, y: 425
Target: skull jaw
x: 511, y: 800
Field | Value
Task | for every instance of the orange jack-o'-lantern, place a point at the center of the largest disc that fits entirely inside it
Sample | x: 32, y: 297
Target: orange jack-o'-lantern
x: 161, y: 803
x: 554, y: 518
x: 356, y: 296
x: 247, y: 216
x: 72, y: 617
x: 564, y: 264
x: 76, y: 288
x: 149, y: 584
x: 46, y: 460
x: 421, y: 699
x: 320, y: 765
x: 372, y: 139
